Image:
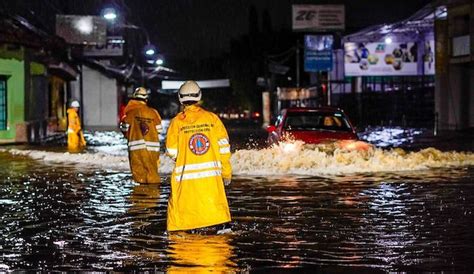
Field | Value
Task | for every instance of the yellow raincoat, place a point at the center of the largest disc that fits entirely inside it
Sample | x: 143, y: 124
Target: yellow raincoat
x: 75, y: 136
x: 198, y: 141
x: 144, y: 126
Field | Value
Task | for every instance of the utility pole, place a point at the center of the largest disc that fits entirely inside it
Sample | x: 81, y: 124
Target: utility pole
x: 81, y: 93
x: 329, y: 87
x: 297, y: 64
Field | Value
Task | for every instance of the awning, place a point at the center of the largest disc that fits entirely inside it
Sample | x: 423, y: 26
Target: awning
x: 63, y: 70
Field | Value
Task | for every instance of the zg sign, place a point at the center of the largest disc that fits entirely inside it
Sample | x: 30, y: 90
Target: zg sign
x: 318, y: 17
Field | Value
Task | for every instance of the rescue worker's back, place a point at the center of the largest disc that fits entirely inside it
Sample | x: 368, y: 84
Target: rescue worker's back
x: 198, y: 141
x: 143, y: 127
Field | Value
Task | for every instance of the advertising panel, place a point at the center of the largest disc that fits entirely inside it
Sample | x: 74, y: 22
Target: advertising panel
x: 113, y: 47
x: 318, y: 17
x: 318, y: 52
x: 380, y: 59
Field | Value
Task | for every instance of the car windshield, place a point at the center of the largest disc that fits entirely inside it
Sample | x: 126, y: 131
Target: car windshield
x: 316, y: 121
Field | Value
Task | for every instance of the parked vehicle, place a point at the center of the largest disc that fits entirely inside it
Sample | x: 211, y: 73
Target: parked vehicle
x: 311, y: 125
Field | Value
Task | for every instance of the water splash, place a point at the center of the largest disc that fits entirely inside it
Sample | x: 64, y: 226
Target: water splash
x: 299, y: 158
x: 293, y: 157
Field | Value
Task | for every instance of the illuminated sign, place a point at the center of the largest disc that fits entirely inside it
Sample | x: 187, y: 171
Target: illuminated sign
x: 379, y: 59
x: 318, y: 53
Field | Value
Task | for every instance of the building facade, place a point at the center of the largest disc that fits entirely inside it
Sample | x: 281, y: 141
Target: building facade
x: 33, y: 83
x: 454, y: 92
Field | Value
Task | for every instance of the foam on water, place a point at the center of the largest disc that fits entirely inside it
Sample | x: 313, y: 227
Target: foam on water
x: 286, y: 158
x: 97, y: 159
x: 298, y: 158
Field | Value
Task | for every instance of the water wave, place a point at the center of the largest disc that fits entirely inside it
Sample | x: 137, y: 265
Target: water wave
x: 298, y: 158
x: 287, y: 158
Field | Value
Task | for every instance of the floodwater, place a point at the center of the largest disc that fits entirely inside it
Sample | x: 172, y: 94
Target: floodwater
x: 294, y: 207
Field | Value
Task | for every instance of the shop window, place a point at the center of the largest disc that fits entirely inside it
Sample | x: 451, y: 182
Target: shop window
x: 3, y: 103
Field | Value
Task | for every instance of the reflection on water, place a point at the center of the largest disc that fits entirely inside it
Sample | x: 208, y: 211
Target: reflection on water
x: 200, y: 253
x: 65, y: 217
x: 390, y: 136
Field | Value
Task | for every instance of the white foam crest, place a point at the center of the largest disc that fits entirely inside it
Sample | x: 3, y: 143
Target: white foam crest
x: 98, y: 159
x: 297, y: 158
x: 285, y: 158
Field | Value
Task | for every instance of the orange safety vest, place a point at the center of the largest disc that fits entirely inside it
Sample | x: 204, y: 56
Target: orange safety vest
x: 199, y: 143
x: 143, y: 142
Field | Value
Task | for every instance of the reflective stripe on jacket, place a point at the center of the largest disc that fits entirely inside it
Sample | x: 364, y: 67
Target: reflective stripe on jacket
x: 144, y: 126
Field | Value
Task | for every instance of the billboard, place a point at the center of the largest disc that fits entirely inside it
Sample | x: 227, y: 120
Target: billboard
x: 113, y: 47
x: 318, y: 52
x: 380, y: 59
x: 83, y: 30
x: 318, y: 17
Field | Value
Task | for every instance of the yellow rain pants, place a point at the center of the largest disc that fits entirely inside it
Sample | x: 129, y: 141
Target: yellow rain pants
x: 198, y: 141
x: 144, y: 126
x: 75, y: 137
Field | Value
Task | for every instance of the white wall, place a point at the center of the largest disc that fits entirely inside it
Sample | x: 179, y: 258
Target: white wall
x: 100, y: 100
x: 75, y: 91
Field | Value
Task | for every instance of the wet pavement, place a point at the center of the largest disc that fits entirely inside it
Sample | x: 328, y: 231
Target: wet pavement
x: 318, y: 209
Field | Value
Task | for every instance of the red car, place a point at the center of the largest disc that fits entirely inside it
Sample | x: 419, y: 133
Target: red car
x: 311, y: 125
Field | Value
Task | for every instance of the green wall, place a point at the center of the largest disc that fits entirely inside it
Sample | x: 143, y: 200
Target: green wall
x: 14, y: 68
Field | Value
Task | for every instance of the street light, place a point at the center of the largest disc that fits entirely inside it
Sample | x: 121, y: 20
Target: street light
x: 160, y: 61
x: 388, y: 40
x: 149, y: 50
x: 109, y: 14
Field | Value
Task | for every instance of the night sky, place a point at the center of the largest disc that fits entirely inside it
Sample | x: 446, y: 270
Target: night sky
x: 201, y: 28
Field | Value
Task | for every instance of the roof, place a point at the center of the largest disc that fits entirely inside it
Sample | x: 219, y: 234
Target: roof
x: 421, y: 21
x: 17, y: 30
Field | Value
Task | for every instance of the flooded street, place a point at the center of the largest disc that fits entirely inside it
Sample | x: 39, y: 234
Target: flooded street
x: 316, y: 208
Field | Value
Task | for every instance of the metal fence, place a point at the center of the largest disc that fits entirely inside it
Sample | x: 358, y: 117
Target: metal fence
x: 406, y: 108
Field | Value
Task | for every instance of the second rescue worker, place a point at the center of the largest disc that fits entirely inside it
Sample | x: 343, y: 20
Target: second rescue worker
x: 75, y: 136
x: 198, y: 141
x: 141, y: 125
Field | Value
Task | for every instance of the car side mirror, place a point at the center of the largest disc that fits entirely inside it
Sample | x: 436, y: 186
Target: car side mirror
x: 271, y: 129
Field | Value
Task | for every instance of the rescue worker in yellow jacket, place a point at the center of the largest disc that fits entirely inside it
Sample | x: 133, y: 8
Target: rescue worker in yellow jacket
x: 75, y: 136
x: 199, y: 143
x: 141, y: 125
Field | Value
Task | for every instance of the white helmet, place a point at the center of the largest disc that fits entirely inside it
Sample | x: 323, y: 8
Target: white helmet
x: 75, y: 104
x: 189, y: 92
x: 140, y: 93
